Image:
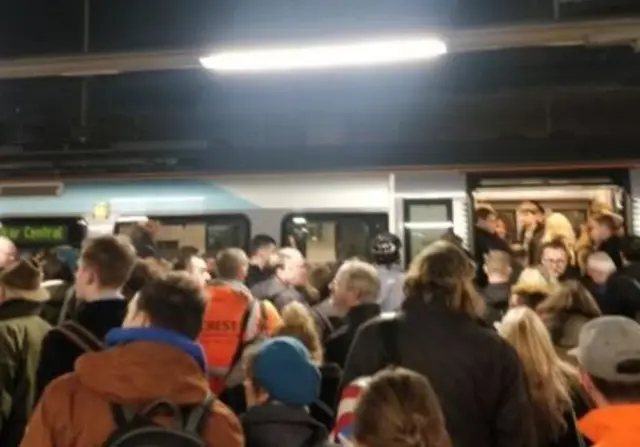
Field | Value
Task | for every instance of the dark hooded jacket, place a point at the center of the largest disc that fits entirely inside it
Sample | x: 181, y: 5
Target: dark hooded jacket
x: 477, y: 376
x: 277, y: 292
x: 21, y: 333
x: 277, y: 425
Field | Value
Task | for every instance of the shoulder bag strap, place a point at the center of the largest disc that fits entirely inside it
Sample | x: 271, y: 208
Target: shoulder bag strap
x: 80, y: 336
x: 64, y: 310
x: 198, y: 416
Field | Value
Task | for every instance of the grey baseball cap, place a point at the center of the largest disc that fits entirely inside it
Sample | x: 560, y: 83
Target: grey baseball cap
x: 605, y: 343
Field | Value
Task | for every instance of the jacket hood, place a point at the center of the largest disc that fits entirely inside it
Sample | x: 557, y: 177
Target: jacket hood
x: 616, y: 426
x: 276, y: 425
x: 141, y: 372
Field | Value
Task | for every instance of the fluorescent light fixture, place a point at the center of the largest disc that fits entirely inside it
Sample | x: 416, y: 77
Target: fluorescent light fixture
x: 356, y: 54
x: 299, y: 220
x: 428, y: 225
x: 132, y: 219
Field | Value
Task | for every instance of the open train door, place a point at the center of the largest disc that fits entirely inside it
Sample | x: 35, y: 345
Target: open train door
x: 426, y: 206
x: 572, y: 193
x: 633, y: 209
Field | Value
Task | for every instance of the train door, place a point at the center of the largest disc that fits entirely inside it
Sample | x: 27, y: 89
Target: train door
x: 633, y: 210
x: 428, y: 206
x: 574, y: 194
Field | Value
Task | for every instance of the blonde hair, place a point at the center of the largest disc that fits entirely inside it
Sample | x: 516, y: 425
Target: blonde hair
x: 558, y: 228
x: 570, y: 296
x: 549, y: 379
x: 361, y: 277
x: 298, y: 323
x: 533, y: 287
x: 409, y: 407
x: 443, y: 271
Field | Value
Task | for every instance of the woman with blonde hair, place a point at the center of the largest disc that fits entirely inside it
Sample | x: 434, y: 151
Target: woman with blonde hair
x: 564, y: 313
x: 552, y: 383
x: 534, y: 285
x: 409, y: 407
x: 440, y: 334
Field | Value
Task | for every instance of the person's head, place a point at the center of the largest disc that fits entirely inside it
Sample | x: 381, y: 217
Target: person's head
x: 210, y: 259
x: 144, y: 271
x: 8, y: 252
x: 22, y: 280
x: 603, y: 226
x: 262, y: 250
x: 282, y: 370
x: 570, y: 296
x: 530, y: 214
x: 554, y: 257
x: 600, y: 267
x: 173, y: 302
x: 400, y: 408
x: 608, y: 353
x: 549, y: 379
x: 385, y: 249
x: 232, y: 264
x: 497, y: 266
x: 195, y: 266
x: 320, y: 278
x: 55, y: 267
x: 356, y: 282
x: 531, y: 289
x: 298, y: 323
x: 442, y: 271
x: 486, y: 217
x: 630, y: 249
x: 292, y: 267
x: 104, y: 267
x: 502, y: 230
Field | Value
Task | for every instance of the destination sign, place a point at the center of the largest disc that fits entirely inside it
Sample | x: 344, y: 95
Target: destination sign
x: 30, y: 234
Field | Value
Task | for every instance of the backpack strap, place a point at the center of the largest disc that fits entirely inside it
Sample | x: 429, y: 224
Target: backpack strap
x: 66, y: 304
x: 80, y: 336
x: 198, y: 416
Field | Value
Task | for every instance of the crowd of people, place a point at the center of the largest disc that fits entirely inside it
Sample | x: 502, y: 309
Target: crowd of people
x: 115, y: 346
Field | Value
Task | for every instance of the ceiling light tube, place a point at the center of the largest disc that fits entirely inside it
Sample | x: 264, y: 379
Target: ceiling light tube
x: 355, y: 54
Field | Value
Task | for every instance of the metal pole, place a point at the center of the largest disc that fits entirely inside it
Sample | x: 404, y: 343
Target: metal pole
x: 556, y: 9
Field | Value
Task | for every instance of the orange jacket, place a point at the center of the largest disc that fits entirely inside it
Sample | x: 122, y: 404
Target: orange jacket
x: 615, y: 426
x: 222, y: 329
x: 74, y: 410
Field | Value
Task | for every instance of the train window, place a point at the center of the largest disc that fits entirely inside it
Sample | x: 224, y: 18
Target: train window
x: 34, y: 234
x: 332, y: 237
x: 206, y: 233
x: 424, y: 222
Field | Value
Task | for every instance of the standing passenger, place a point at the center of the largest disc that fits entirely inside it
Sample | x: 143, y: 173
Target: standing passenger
x: 152, y: 358
x: 486, y: 240
x: 355, y: 291
x: 281, y: 287
x: 531, y: 220
x: 21, y: 333
x: 609, y: 356
x: 604, y: 234
x: 476, y: 375
x: 385, y: 253
x: 104, y: 268
x: 497, y: 266
x: 262, y: 252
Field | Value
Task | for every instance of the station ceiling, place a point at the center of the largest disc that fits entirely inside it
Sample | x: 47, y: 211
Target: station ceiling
x: 156, y: 121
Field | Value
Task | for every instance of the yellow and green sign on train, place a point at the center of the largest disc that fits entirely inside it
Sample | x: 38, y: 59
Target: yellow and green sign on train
x: 30, y: 234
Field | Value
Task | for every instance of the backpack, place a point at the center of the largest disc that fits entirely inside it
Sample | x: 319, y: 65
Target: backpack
x: 80, y: 336
x: 138, y: 429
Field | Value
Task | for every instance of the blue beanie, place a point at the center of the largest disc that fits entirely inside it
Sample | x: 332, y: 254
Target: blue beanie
x: 283, y: 367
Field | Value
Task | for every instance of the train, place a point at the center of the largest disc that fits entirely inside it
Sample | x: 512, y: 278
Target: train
x: 330, y: 216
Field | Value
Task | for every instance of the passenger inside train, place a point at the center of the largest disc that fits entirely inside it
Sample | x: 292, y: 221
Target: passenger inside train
x: 307, y: 343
